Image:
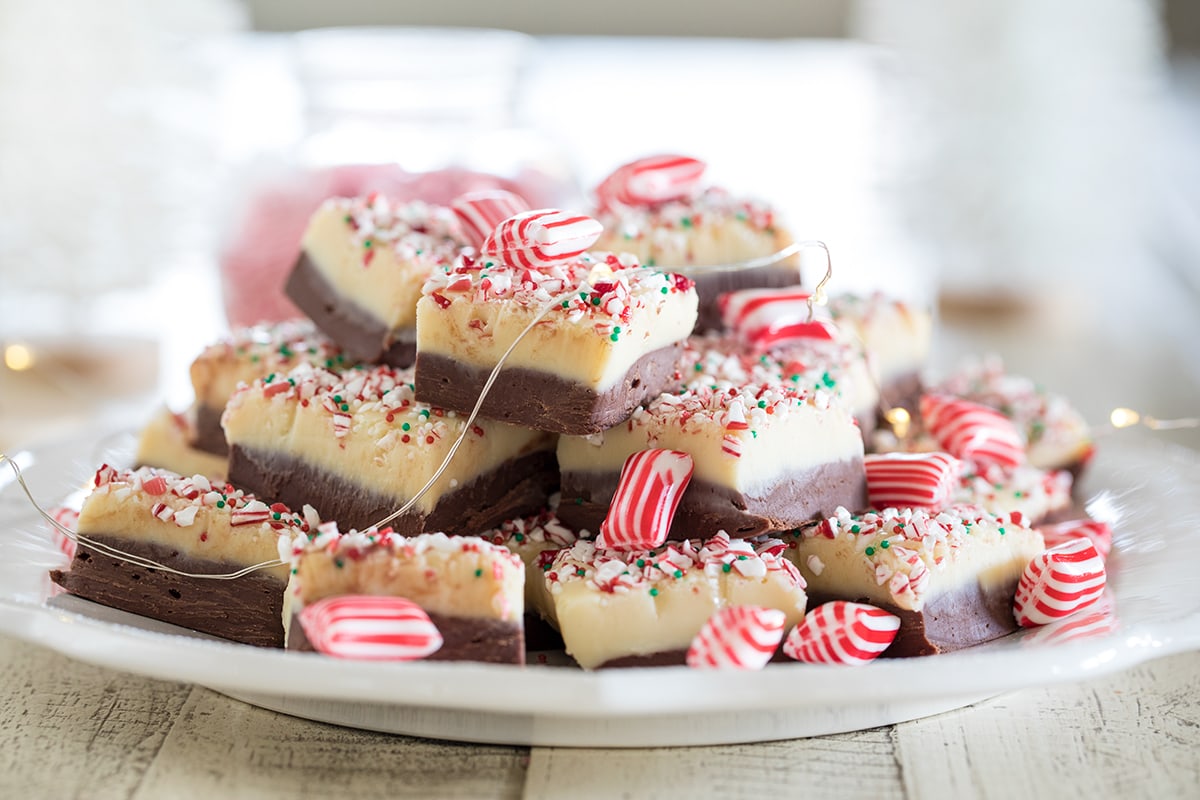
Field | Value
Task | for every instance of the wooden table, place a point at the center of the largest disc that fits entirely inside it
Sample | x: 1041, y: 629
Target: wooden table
x: 68, y: 729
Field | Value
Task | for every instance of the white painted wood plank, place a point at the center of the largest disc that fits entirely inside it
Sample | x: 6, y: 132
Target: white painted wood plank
x: 1135, y: 734
x: 68, y: 729
x: 858, y: 764
x: 222, y: 748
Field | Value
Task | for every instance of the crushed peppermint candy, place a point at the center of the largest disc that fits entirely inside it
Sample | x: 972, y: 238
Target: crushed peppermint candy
x: 620, y: 571
x: 541, y: 529
x: 415, y: 231
x: 737, y: 637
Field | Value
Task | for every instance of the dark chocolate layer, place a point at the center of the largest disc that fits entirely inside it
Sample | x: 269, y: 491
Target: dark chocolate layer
x: 517, y: 488
x: 542, y: 400
x: 710, y: 285
x: 210, y: 436
x: 246, y: 610
x: 360, y: 333
x: 491, y: 641
x: 706, y: 508
x: 967, y: 616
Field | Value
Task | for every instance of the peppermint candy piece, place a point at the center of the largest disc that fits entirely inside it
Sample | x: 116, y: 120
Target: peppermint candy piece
x: 909, y: 480
x: 1059, y: 582
x: 480, y: 212
x: 370, y: 627
x: 1096, y: 532
x: 69, y: 519
x: 841, y: 632
x: 541, y: 238
x: 738, y: 637
x: 973, y: 432
x: 1100, y: 620
x: 650, y: 180
x: 647, y: 495
x: 765, y: 318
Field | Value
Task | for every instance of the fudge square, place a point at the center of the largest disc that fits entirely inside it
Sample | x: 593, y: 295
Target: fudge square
x: 609, y: 342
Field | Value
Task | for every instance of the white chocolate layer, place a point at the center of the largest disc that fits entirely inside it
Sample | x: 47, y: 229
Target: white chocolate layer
x: 459, y: 576
x: 617, y: 314
x: 611, y: 604
x: 789, y: 433
x: 378, y: 255
x: 908, y: 557
x: 165, y: 443
x: 192, y: 515
x: 895, y: 335
x: 251, y: 353
x: 709, y: 228
x: 365, y: 426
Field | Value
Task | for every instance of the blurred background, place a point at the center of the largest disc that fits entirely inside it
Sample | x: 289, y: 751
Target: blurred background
x: 1029, y: 170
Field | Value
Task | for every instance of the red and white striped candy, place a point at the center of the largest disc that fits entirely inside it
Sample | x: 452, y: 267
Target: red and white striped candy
x: 69, y: 519
x: 480, y: 212
x: 1100, y: 620
x: 648, y: 492
x: 1098, y: 533
x: 650, y: 180
x: 1059, y: 582
x: 909, y: 480
x: 370, y: 627
x: 541, y: 238
x: 841, y: 632
x: 738, y: 637
x: 973, y: 432
x: 766, y: 318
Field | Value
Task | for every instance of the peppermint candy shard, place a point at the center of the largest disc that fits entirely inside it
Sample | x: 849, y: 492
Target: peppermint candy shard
x: 738, y: 637
x: 651, y: 180
x: 369, y: 627
x: 842, y: 632
x: 542, y: 237
x: 1098, y: 533
x: 643, y: 506
x: 1059, y: 582
x: 911, y: 480
x: 480, y: 212
x: 973, y: 432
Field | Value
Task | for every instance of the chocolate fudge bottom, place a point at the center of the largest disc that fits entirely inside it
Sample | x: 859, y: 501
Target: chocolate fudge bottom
x: 962, y: 618
x: 210, y: 436
x: 707, y: 508
x: 711, y: 284
x: 544, y: 401
x: 491, y: 641
x: 360, y: 333
x: 246, y: 609
x: 516, y: 488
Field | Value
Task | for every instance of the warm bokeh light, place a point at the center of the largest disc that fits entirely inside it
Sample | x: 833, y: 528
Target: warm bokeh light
x: 899, y: 419
x: 1124, y: 417
x: 18, y: 357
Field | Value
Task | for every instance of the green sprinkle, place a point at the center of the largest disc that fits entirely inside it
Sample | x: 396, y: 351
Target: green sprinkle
x: 405, y: 427
x: 294, y: 570
x: 742, y: 558
x: 1002, y: 531
x: 828, y: 380
x: 337, y: 562
x: 654, y: 592
x: 870, y: 551
x: 754, y: 434
x: 367, y: 243
x: 277, y: 516
x: 614, y: 337
x: 337, y: 398
x: 727, y: 567
x: 641, y: 562
x: 678, y: 573
x: 580, y: 572
x: 578, y: 501
x: 686, y: 222
x: 478, y: 573
x: 596, y: 300
x: 345, y: 407
x: 519, y: 537
x: 546, y: 567
x: 762, y: 403
x: 699, y: 367
x: 885, y: 544
x: 664, y: 290
x: 855, y: 529
x: 254, y: 359
x: 220, y: 504
x: 566, y: 303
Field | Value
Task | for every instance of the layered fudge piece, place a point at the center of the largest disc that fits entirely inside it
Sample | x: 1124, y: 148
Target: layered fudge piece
x: 643, y: 608
x: 361, y: 267
x: 357, y: 446
x: 1032, y: 494
x: 896, y: 337
x: 660, y: 209
x: 535, y: 540
x: 244, y: 356
x: 765, y: 458
x: 837, y: 367
x: 608, y: 343
x: 188, y: 525
x: 472, y: 590
x: 1056, y: 435
x: 950, y: 575
x: 166, y: 442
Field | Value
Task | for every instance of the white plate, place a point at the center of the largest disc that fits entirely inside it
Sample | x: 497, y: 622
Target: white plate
x: 1153, y: 491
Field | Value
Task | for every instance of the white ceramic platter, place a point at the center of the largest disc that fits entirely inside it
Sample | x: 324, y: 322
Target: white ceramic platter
x: 1151, y: 491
